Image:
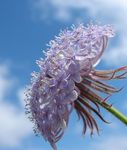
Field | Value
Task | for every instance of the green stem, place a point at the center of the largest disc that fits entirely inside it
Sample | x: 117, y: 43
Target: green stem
x: 118, y: 114
x: 114, y: 111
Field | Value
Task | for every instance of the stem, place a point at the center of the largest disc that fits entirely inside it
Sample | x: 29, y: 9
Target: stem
x: 118, y: 114
x: 114, y: 111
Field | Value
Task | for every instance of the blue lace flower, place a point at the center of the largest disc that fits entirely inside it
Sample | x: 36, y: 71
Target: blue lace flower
x: 68, y: 80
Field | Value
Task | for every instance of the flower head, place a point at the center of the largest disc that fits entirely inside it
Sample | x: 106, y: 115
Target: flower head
x: 68, y: 80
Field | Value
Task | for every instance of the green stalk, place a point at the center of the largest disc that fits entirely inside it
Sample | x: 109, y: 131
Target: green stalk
x: 114, y: 111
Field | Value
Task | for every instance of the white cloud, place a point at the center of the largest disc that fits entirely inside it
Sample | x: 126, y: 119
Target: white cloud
x: 108, y: 11
x: 21, y: 96
x: 14, y: 126
x: 114, y: 142
x: 117, y: 55
x: 4, y: 84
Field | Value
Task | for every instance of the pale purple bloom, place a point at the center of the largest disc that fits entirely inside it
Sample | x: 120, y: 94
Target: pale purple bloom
x: 53, y: 91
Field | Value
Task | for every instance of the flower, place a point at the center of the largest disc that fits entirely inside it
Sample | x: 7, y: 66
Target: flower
x: 68, y: 81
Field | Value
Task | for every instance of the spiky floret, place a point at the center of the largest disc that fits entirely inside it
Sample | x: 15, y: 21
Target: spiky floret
x: 68, y: 80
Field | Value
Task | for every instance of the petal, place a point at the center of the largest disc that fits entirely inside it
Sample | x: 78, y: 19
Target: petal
x: 77, y: 78
x: 100, y: 51
x: 63, y: 84
x: 71, y: 96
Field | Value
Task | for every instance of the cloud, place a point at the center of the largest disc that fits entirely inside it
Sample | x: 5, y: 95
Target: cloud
x: 53, y: 8
x: 14, y: 127
x: 108, y: 11
x: 59, y: 10
x: 4, y: 84
x: 114, y: 142
x: 21, y: 96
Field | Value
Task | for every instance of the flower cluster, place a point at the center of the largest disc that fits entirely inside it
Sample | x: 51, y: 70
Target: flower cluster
x: 66, y: 78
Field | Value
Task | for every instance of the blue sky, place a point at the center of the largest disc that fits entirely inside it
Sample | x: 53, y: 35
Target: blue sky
x: 26, y: 26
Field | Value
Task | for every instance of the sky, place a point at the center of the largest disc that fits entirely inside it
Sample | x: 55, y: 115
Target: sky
x: 26, y: 27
